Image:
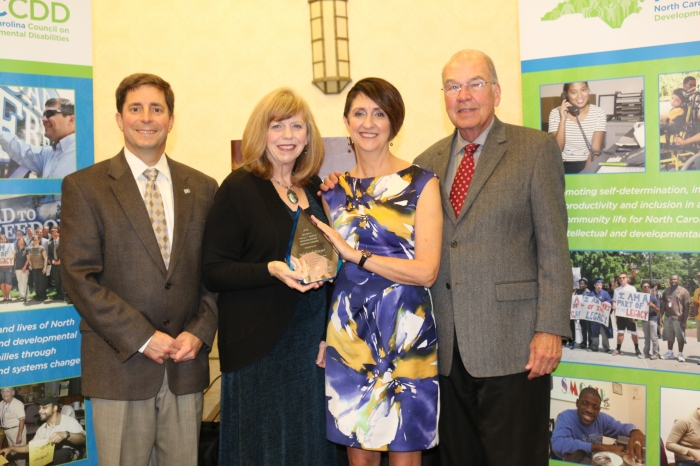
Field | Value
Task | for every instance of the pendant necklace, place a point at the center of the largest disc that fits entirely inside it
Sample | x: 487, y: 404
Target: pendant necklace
x: 291, y: 195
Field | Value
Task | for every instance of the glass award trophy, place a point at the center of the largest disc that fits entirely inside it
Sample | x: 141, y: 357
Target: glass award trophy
x: 319, y: 259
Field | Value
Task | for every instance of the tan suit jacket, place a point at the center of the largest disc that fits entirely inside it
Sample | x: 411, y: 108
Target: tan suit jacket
x: 115, y: 275
x: 505, y: 271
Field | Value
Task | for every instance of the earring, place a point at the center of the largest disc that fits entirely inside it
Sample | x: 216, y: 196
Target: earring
x: 349, y: 142
x: 391, y: 143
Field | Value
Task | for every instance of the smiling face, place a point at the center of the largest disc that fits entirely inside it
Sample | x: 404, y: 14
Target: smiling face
x: 285, y: 141
x: 145, y: 121
x: 46, y: 411
x: 7, y: 394
x: 368, y: 125
x: 623, y: 279
x: 588, y: 408
x: 470, y: 112
x: 674, y: 280
x: 578, y: 94
x: 59, y: 125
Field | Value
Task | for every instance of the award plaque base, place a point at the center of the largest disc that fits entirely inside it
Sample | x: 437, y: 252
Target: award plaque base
x: 320, y: 260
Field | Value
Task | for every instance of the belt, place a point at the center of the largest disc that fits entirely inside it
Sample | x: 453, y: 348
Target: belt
x: 8, y: 428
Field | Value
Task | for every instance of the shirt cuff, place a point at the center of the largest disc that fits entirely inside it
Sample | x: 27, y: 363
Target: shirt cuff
x: 143, y: 348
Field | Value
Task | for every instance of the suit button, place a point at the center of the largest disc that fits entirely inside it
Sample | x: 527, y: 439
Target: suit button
x: 453, y: 244
x: 448, y: 286
x: 168, y: 285
x: 166, y: 322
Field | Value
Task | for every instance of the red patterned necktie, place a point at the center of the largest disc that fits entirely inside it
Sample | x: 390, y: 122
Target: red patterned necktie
x: 463, y: 178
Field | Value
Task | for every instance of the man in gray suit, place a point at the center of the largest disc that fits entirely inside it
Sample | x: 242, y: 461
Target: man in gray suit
x: 502, y: 296
x: 131, y: 250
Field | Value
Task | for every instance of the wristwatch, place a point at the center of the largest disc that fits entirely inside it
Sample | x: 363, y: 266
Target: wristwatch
x: 365, y: 255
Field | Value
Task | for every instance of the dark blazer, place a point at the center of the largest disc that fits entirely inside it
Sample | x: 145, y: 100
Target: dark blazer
x: 505, y: 271
x: 115, y: 275
x: 50, y: 251
x: 248, y: 227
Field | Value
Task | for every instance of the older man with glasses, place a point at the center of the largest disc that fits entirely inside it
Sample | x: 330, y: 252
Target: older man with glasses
x: 503, y: 292
x: 50, y: 161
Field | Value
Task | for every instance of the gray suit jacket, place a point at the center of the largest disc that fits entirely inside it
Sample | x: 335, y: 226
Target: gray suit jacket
x: 505, y: 271
x: 115, y: 275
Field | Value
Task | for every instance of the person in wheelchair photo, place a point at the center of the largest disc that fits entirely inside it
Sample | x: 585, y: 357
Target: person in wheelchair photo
x: 679, y: 132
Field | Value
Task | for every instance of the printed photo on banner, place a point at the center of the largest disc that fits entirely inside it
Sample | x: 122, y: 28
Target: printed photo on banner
x: 635, y: 309
x: 679, y: 121
x: 30, y: 252
x: 43, y: 423
x: 599, y: 125
x: 679, y: 426
x: 594, y: 420
x: 37, y: 132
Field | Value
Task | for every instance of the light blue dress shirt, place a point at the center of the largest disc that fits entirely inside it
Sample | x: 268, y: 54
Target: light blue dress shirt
x: 46, y: 161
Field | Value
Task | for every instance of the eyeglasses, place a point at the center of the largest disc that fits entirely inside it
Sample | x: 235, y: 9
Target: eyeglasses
x: 475, y: 86
x: 48, y: 113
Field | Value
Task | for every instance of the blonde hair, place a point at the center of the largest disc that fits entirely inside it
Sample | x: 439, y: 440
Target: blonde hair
x: 279, y: 105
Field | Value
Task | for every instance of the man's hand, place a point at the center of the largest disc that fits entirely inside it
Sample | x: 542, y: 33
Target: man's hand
x: 18, y: 440
x: 161, y: 346
x: 637, y: 443
x: 329, y: 182
x: 545, y: 353
x: 189, y: 346
x: 321, y: 358
x: 58, y: 437
x: 5, y: 451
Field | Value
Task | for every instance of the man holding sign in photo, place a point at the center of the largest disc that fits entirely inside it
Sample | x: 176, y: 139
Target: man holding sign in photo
x: 624, y: 323
x: 599, y: 330
x: 675, y: 307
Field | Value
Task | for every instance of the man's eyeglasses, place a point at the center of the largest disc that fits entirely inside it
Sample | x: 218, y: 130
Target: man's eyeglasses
x: 48, y: 113
x: 475, y: 86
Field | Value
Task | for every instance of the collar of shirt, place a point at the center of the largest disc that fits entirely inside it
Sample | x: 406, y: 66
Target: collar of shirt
x: 457, y: 153
x: 66, y: 144
x: 460, y: 142
x: 138, y: 167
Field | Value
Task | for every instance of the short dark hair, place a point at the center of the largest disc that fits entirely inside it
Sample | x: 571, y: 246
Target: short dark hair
x: 680, y: 93
x: 568, y: 85
x: 687, y: 79
x: 590, y: 390
x: 647, y: 282
x: 384, y: 94
x: 64, y: 105
x: 137, y: 80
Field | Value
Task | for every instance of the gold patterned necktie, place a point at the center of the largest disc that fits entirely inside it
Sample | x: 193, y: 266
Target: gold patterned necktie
x: 156, y: 211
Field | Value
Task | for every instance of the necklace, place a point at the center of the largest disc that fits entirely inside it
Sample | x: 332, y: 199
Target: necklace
x: 291, y: 195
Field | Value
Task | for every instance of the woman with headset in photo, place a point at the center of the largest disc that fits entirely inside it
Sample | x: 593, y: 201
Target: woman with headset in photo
x: 578, y: 140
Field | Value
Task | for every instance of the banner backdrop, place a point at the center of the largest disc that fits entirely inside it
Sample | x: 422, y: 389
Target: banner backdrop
x: 46, y: 132
x: 633, y: 208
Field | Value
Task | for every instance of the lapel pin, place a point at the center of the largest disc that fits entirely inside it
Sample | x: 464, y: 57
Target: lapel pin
x: 187, y: 191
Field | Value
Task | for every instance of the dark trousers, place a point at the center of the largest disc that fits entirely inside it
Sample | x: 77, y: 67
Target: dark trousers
x: 585, y: 331
x: 493, y: 421
x: 39, y: 284
x: 56, y: 277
